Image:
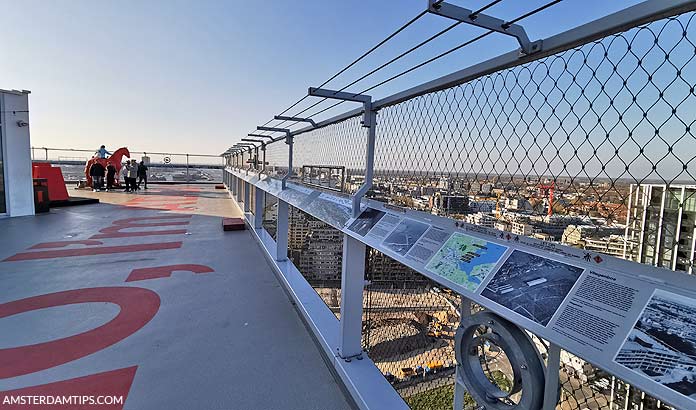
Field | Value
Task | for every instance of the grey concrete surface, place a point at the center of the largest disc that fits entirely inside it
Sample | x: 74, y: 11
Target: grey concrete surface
x: 227, y: 339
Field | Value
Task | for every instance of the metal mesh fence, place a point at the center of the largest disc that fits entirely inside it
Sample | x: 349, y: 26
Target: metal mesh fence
x: 316, y: 249
x: 338, y: 145
x: 592, y: 147
x: 562, y: 142
x: 270, y: 214
x: 277, y: 159
x: 408, y: 331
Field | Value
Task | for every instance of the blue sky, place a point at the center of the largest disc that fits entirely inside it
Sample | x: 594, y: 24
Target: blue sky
x: 195, y: 76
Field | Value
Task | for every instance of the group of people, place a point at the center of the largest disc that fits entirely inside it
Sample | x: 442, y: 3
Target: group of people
x: 134, y: 173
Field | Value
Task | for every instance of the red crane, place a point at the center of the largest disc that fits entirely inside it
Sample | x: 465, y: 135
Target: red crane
x: 549, y: 189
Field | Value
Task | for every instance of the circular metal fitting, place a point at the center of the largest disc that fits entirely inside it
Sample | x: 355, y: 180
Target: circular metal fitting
x: 528, y: 370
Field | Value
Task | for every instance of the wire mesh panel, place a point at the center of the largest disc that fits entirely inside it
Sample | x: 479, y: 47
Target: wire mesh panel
x: 592, y: 147
x: 408, y: 331
x: 559, y: 142
x: 316, y: 249
x: 337, y: 145
x: 270, y: 215
x: 277, y: 159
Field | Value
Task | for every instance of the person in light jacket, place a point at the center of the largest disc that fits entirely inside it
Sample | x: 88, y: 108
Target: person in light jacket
x: 133, y: 175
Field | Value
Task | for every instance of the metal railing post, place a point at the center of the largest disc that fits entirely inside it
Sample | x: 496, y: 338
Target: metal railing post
x: 188, y: 179
x: 234, y: 187
x: 259, y: 205
x: 553, y: 367
x: 459, y: 389
x: 46, y: 151
x: 263, y: 165
x: 282, y: 231
x: 352, y: 285
x: 246, y: 187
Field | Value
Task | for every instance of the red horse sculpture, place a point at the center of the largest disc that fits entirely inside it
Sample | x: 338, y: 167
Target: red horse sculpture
x: 114, y: 159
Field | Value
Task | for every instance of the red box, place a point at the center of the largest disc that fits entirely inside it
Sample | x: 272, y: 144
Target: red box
x: 233, y: 224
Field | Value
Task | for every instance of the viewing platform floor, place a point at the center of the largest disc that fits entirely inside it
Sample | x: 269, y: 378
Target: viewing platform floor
x: 143, y: 295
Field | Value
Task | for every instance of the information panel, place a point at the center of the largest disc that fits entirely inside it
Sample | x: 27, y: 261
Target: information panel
x: 466, y: 260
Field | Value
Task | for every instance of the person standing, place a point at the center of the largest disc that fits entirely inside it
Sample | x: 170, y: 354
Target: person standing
x: 110, y: 176
x: 102, y: 152
x: 96, y: 171
x: 133, y: 175
x: 142, y: 174
x: 126, y: 177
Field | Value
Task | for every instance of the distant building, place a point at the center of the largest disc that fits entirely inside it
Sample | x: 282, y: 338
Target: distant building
x: 660, y: 228
x: 595, y: 238
x: 450, y: 204
x: 518, y: 204
x: 502, y: 226
x: 481, y: 219
x: 315, y: 248
x: 381, y: 268
x: 543, y: 237
x: 482, y: 205
x: 521, y: 228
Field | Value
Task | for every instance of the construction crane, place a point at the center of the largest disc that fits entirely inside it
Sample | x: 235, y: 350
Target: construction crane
x: 549, y: 190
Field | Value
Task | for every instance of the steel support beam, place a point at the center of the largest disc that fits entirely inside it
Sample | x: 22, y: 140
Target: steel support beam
x: 352, y: 285
x: 288, y: 140
x: 298, y: 119
x: 370, y: 122
x: 260, y: 136
x: 485, y: 21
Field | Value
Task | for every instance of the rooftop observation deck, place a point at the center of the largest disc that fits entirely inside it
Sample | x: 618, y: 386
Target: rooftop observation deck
x: 89, y: 305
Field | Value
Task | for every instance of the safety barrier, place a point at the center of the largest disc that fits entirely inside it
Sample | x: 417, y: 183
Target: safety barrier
x: 502, y: 234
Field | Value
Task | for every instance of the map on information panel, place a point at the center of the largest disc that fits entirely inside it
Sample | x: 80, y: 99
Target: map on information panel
x: 466, y: 260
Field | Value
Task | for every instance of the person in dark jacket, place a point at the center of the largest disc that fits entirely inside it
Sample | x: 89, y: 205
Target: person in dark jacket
x: 142, y: 174
x: 97, y: 171
x: 110, y: 176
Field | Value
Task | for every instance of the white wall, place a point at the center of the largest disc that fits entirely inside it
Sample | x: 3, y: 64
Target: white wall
x: 16, y: 152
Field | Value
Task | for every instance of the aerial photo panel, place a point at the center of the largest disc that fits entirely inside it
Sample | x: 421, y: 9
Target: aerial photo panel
x: 662, y: 343
x: 367, y: 219
x: 405, y: 235
x: 531, y: 285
